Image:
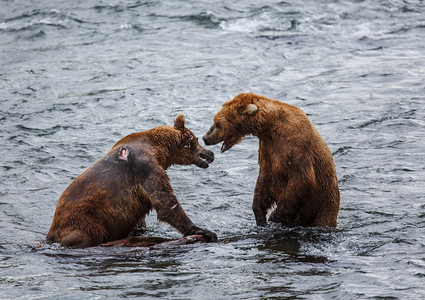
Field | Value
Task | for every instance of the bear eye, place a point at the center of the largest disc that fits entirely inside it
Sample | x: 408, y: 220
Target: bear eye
x: 193, y: 141
x: 190, y: 143
x: 218, y: 125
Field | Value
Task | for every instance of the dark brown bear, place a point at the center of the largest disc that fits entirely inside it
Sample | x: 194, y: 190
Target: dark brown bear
x: 297, y: 172
x: 111, y: 198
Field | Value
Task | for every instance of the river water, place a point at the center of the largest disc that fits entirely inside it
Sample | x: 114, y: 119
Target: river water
x: 76, y: 76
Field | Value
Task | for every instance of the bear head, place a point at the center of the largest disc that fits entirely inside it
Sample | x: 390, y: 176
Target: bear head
x: 235, y: 120
x: 188, y: 150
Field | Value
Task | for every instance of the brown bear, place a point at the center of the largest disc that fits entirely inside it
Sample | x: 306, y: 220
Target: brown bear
x: 297, y: 171
x: 112, y: 197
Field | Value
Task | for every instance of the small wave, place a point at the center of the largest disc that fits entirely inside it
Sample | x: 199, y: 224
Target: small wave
x: 103, y: 91
x: 262, y: 23
x: 126, y: 26
x: 26, y: 21
x: 21, y: 27
x: 41, y: 131
x: 110, y: 7
x: 406, y: 29
x: 401, y: 116
x: 207, y: 20
x: 342, y: 151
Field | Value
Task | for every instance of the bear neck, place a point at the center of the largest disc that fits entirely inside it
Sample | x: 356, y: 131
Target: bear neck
x: 165, y: 143
x: 263, y: 125
x: 268, y: 119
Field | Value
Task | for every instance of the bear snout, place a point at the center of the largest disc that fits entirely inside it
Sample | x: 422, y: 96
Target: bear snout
x: 204, y: 158
x: 209, y: 137
x: 206, y: 140
x: 207, y: 155
x: 214, y: 135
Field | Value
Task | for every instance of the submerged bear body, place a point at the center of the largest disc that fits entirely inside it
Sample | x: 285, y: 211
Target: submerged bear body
x: 111, y: 198
x: 297, y: 172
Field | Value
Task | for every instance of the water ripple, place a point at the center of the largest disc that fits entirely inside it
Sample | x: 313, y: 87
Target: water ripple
x: 78, y: 76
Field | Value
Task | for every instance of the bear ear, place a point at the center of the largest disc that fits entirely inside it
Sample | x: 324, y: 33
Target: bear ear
x: 179, y: 122
x: 123, y: 153
x: 250, y: 109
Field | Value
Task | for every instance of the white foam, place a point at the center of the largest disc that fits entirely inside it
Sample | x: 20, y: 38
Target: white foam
x: 126, y: 26
x: 4, y: 26
x: 262, y: 22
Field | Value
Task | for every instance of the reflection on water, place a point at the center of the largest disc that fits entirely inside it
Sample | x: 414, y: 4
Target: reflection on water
x: 78, y: 76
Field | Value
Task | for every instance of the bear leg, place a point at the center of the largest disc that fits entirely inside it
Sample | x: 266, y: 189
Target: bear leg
x: 262, y: 200
x: 325, y: 219
x: 274, y: 217
x: 76, y: 239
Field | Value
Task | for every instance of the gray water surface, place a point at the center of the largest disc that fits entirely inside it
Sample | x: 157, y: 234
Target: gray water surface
x: 76, y: 76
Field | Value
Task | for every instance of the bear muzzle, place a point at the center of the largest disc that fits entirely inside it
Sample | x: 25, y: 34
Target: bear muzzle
x: 205, y: 158
x: 207, y: 141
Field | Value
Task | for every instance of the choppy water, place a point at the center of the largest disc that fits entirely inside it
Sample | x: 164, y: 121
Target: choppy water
x: 76, y: 76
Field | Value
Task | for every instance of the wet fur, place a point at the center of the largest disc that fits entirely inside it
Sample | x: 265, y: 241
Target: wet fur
x: 297, y: 172
x: 112, y: 197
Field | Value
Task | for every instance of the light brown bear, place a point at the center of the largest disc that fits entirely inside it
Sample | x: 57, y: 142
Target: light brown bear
x: 112, y: 197
x: 297, y: 171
